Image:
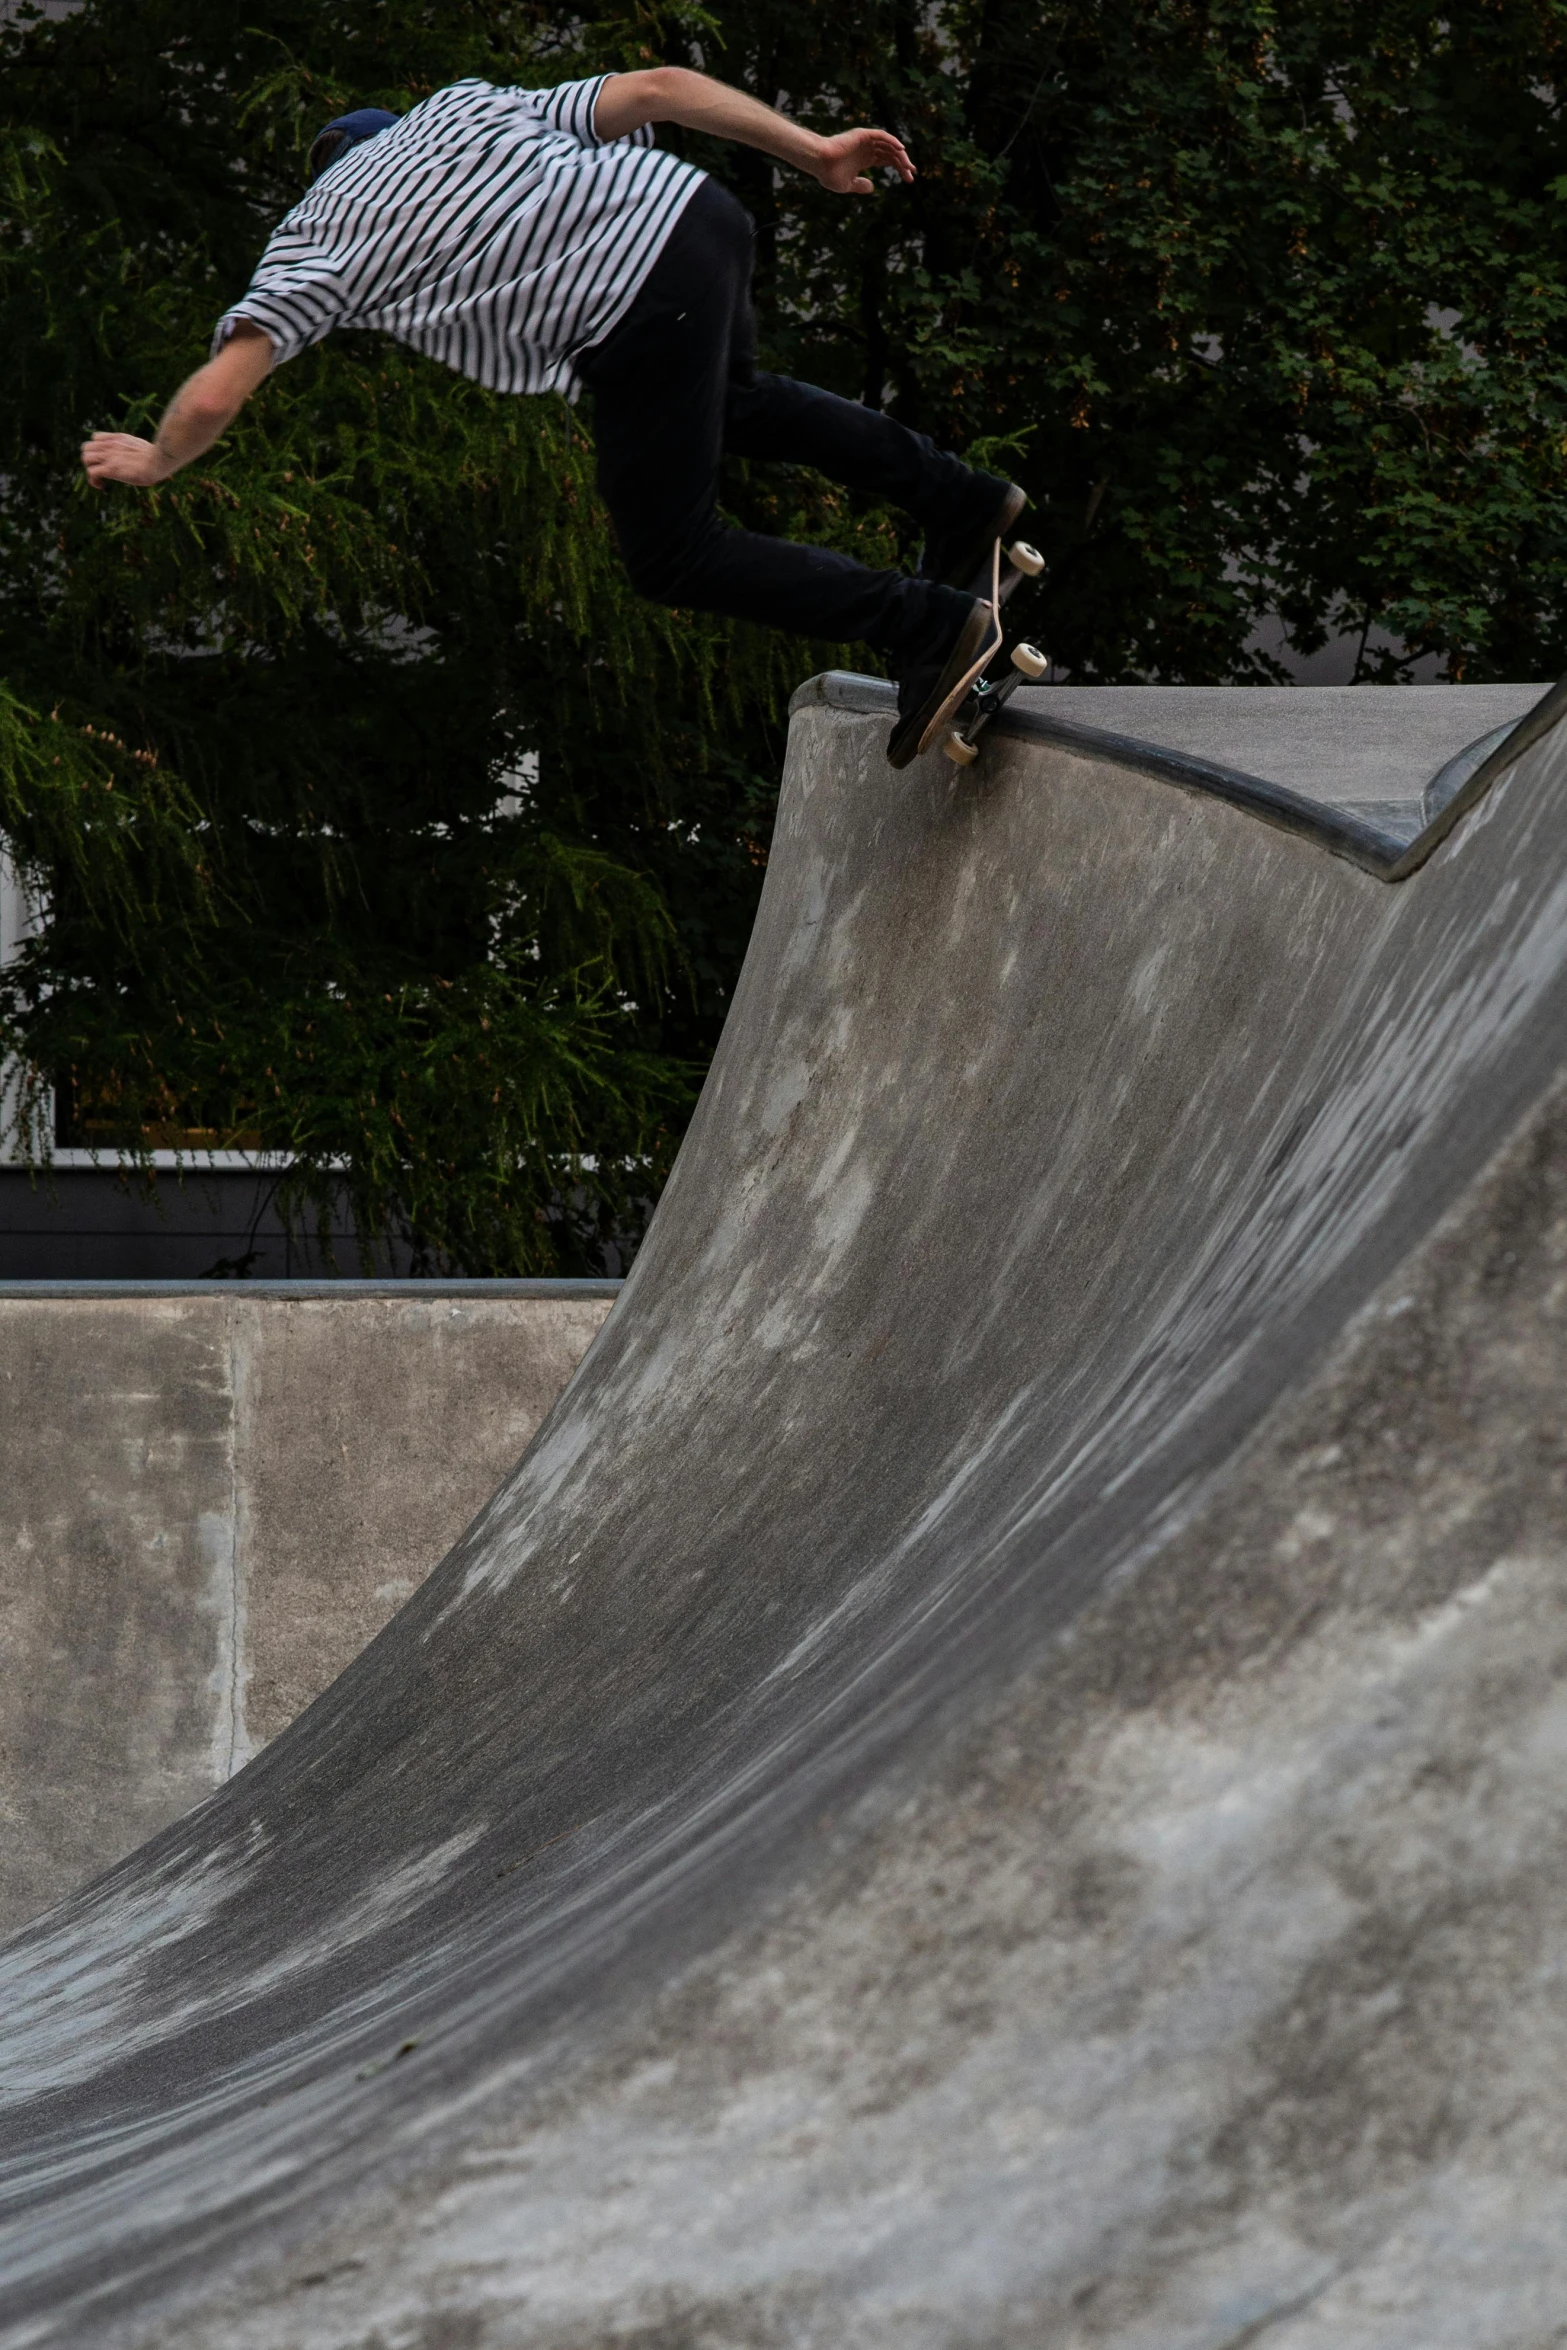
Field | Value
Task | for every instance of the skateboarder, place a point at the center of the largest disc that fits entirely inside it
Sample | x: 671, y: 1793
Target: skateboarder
x: 537, y: 240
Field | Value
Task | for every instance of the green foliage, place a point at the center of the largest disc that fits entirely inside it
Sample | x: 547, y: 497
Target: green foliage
x: 367, y: 803
x: 1263, y: 300
x: 379, y: 821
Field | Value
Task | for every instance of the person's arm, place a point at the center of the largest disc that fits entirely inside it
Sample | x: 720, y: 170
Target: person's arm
x: 203, y: 408
x: 671, y: 93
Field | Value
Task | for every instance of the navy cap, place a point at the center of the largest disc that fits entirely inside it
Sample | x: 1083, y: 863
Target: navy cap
x: 347, y: 130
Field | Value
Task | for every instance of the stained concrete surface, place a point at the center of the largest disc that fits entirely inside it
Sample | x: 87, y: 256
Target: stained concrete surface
x: 211, y: 1502
x: 994, y: 1776
x: 1346, y: 745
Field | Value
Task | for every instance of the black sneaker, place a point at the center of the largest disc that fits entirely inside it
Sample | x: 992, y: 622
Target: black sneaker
x: 961, y: 557
x: 926, y: 687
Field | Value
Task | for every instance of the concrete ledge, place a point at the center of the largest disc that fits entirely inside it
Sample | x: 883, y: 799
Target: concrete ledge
x: 213, y: 1495
x: 322, y: 1288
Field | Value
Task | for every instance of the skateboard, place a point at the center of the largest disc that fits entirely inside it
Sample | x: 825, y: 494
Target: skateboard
x: 975, y: 700
x: 985, y: 699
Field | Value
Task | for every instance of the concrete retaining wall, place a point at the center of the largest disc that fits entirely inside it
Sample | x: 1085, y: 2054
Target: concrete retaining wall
x: 210, y: 1499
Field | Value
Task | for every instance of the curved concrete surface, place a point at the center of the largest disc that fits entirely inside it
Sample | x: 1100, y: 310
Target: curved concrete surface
x: 995, y: 1775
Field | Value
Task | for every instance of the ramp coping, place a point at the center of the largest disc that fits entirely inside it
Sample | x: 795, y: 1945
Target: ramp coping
x: 1373, y: 839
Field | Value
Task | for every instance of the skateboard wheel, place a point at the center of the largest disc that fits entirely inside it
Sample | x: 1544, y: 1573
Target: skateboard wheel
x: 1029, y: 661
x: 1025, y: 558
x: 961, y: 753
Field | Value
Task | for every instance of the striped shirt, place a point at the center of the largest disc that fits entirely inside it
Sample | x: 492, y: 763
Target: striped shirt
x: 490, y: 228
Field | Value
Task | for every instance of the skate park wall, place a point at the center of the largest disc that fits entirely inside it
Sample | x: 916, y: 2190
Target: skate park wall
x: 213, y: 1498
x: 994, y: 1775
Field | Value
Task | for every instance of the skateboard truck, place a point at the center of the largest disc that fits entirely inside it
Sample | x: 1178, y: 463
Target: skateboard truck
x: 986, y: 697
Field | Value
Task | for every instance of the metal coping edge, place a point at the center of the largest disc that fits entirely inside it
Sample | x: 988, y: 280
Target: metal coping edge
x: 1273, y: 803
x: 316, y: 1288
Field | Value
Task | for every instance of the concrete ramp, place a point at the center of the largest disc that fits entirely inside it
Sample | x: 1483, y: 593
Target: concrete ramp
x: 996, y: 1775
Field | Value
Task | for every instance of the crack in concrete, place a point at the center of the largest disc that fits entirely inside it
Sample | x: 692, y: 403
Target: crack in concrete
x: 232, y: 1744
x: 1276, y: 2316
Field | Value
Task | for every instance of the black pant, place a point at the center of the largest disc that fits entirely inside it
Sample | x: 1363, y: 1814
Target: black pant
x: 676, y: 387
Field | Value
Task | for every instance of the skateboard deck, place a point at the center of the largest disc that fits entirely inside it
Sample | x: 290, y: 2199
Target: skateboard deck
x: 974, y: 700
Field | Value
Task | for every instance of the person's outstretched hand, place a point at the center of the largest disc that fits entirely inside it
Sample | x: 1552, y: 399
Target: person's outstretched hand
x: 120, y: 456
x: 845, y: 160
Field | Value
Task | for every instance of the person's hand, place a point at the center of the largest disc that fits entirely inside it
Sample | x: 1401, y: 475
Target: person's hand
x: 120, y: 456
x: 843, y: 162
